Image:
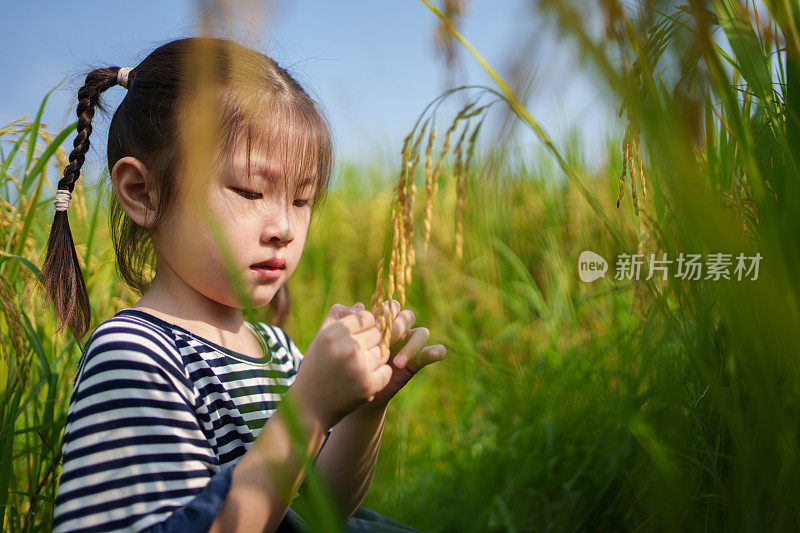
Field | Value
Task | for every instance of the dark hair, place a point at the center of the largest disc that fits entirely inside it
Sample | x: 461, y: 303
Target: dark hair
x: 250, y: 95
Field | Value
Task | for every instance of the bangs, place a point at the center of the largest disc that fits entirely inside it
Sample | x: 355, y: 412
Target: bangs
x: 288, y: 141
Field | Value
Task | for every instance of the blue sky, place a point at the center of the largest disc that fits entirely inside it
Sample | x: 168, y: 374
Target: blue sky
x: 372, y: 64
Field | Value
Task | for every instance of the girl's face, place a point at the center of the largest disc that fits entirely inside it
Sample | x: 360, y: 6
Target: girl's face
x: 261, y: 220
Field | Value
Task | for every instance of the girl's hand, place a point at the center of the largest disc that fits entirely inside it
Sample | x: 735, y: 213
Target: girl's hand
x: 409, y: 353
x: 342, y: 367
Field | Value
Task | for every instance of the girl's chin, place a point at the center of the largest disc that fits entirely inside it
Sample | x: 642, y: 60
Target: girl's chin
x: 263, y: 295
x: 257, y: 297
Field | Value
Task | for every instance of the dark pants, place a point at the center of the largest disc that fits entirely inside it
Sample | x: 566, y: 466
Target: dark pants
x: 363, y: 521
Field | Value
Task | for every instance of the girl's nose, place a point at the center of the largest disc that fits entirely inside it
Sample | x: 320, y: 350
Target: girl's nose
x: 278, y: 228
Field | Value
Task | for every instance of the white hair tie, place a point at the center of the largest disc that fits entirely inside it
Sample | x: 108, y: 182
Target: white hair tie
x: 122, y: 76
x: 63, y: 197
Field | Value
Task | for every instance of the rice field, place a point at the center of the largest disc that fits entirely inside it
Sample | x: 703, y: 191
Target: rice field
x: 621, y: 404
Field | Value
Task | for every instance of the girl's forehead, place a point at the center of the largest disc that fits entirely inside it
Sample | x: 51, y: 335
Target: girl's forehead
x: 289, y: 147
x: 256, y: 162
x: 251, y: 156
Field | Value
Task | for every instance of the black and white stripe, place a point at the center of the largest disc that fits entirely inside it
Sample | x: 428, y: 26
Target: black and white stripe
x: 155, y: 413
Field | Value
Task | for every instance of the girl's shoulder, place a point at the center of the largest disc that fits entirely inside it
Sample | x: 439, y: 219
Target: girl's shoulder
x: 134, y: 338
x: 134, y: 330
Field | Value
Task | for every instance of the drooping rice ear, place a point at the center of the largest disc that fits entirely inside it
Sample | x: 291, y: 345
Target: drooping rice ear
x: 376, y: 304
x: 391, y: 284
x: 640, y: 167
x: 403, y: 253
x: 465, y: 112
x: 624, y: 169
x: 398, y: 224
x: 377, y: 296
x: 428, y: 189
x: 461, y: 189
x: 445, y: 149
x: 457, y: 175
x: 16, y: 360
x: 632, y: 166
x: 408, y: 208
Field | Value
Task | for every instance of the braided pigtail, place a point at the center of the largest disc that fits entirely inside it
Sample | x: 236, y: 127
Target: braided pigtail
x: 61, y: 274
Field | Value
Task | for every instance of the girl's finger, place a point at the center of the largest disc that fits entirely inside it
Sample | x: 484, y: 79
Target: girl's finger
x: 387, y: 309
x: 417, y: 339
x: 357, y: 322
x: 429, y: 354
x: 378, y: 360
x: 401, y: 327
x: 402, y: 320
x: 369, y: 338
x: 344, y: 310
x: 336, y: 312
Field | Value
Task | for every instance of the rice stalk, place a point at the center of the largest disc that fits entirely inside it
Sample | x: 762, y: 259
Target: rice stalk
x: 394, y: 254
x: 13, y: 126
x: 402, y: 254
x: 624, y: 172
x: 435, y: 182
x: 633, y: 185
x: 638, y: 153
x: 631, y: 165
x: 428, y: 189
x: 457, y: 176
x: 402, y: 184
x: 408, y: 217
x: 377, y: 296
x: 15, y: 338
x: 385, y: 321
x: 461, y: 189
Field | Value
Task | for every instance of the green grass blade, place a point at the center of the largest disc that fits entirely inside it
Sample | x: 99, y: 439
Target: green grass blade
x: 30, y: 266
x: 47, y: 154
x: 10, y: 157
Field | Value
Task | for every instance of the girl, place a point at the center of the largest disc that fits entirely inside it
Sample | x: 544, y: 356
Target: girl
x: 178, y: 419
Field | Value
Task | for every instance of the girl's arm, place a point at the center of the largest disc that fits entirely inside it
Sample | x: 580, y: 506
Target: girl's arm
x: 347, y: 462
x: 267, y: 476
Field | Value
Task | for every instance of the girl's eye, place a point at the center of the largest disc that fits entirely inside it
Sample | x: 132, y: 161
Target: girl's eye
x: 257, y: 195
x: 248, y: 194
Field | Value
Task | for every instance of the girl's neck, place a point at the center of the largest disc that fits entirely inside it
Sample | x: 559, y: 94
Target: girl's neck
x: 171, y: 299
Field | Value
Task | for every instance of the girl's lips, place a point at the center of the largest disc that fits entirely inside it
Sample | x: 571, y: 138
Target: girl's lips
x: 275, y: 262
x: 266, y: 273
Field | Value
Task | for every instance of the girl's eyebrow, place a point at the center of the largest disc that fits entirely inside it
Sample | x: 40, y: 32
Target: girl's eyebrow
x: 259, y: 166
x: 306, y: 182
x: 272, y: 176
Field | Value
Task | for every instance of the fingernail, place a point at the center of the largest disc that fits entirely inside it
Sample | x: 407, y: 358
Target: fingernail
x: 400, y: 361
x: 359, y: 305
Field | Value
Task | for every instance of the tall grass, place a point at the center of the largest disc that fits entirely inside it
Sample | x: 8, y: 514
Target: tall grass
x: 39, y: 362
x: 687, y: 417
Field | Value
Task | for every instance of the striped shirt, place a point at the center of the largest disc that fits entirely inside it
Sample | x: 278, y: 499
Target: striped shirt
x: 158, y: 417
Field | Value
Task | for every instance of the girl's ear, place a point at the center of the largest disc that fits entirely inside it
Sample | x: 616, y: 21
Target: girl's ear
x: 132, y: 183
